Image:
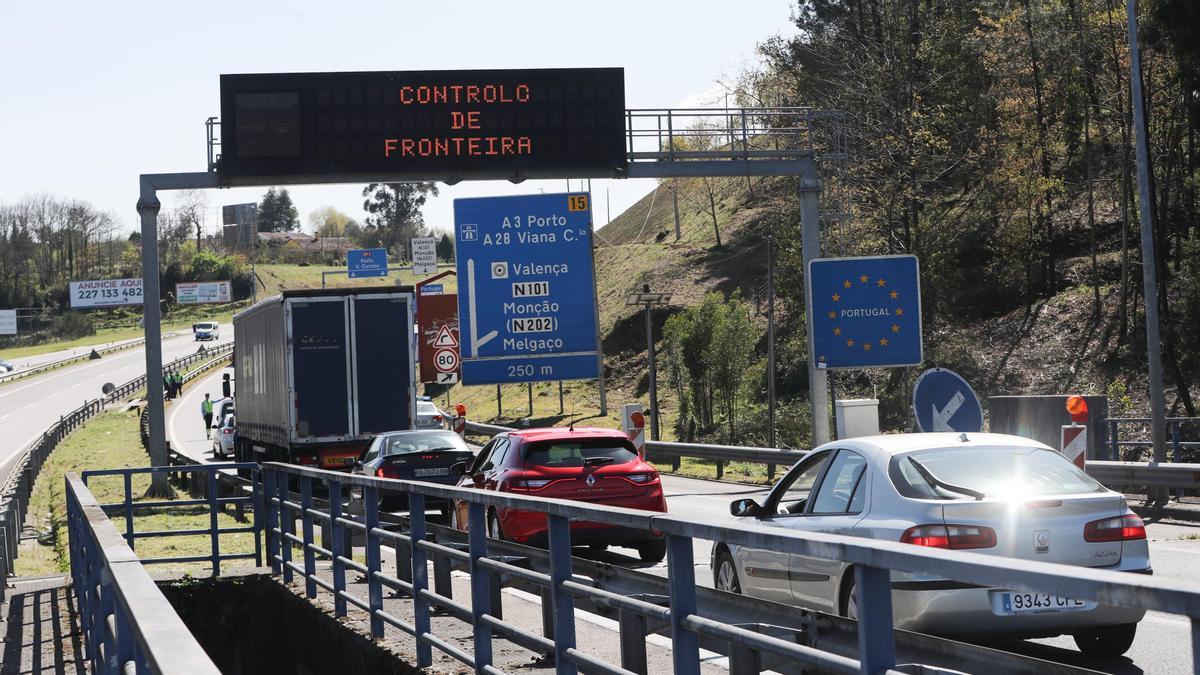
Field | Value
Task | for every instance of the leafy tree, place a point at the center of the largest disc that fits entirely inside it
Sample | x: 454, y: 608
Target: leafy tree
x: 731, y: 353
x: 276, y: 213
x: 329, y: 222
x: 445, y: 248
x: 395, y: 211
x: 709, y: 353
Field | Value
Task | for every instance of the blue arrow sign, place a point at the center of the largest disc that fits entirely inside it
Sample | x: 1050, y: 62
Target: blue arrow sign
x: 943, y: 401
x: 366, y: 262
x: 526, y: 289
x: 866, y: 311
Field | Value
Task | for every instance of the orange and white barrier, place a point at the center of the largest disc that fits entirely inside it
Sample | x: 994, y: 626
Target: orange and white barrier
x: 633, y: 423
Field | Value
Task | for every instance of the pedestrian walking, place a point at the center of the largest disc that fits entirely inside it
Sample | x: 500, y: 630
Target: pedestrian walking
x: 206, y: 410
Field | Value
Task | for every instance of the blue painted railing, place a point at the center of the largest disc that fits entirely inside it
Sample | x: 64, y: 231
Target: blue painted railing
x: 873, y: 563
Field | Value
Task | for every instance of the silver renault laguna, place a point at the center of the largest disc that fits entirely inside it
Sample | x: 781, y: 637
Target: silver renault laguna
x: 988, y: 493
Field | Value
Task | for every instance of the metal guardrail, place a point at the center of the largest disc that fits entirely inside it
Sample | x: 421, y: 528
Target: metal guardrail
x: 873, y: 563
x: 17, y: 487
x: 212, y: 499
x: 737, y: 133
x: 1149, y: 474
x: 37, y: 370
x: 1113, y: 443
x: 128, y: 624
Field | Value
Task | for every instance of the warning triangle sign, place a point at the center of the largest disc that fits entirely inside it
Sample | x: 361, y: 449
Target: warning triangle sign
x: 445, y: 338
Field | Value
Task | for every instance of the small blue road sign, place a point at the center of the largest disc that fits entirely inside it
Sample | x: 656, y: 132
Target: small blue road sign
x: 943, y: 401
x: 526, y: 288
x: 366, y: 262
x: 866, y: 312
x: 432, y: 289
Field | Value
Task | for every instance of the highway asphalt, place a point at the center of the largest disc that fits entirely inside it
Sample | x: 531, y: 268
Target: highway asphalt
x: 28, y: 407
x: 27, y: 362
x: 1162, y: 641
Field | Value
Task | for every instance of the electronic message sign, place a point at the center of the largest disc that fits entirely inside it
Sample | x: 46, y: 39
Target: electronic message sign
x: 465, y: 123
x: 526, y: 295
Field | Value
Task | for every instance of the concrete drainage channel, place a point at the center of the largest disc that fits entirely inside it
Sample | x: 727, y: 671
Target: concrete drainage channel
x: 254, y: 624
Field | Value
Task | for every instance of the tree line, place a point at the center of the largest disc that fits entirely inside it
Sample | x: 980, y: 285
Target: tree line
x: 393, y: 217
x: 994, y: 139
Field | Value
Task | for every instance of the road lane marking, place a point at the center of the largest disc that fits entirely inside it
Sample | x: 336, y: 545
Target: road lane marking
x: 74, y: 371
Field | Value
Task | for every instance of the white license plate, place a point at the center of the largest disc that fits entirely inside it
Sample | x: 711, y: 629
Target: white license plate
x: 1008, y: 603
x: 420, y: 473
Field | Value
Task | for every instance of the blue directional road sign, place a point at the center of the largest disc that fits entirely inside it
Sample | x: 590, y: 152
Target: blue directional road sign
x: 366, y: 262
x: 526, y: 288
x: 943, y: 401
x: 866, y: 311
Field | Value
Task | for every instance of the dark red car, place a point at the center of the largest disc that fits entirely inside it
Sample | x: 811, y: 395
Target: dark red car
x: 583, y: 464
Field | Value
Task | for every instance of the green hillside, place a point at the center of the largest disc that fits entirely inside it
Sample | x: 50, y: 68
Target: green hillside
x: 1054, y: 344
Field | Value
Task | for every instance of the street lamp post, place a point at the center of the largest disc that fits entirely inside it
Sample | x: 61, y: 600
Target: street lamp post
x: 648, y: 300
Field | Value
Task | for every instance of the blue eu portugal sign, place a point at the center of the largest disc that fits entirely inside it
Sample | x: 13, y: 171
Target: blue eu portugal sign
x: 866, y: 312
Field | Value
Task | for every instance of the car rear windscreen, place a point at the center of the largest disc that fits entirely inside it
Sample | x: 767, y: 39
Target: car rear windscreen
x: 576, y: 452
x: 996, y: 472
x: 424, y: 442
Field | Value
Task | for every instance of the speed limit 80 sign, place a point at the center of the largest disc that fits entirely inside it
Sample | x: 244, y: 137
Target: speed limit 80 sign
x: 446, y: 360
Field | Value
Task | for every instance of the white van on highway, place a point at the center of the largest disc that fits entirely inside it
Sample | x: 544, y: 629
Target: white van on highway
x: 206, y: 330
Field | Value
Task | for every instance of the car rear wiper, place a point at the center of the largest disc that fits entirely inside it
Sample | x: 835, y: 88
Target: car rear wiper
x: 596, y: 461
x: 937, y: 482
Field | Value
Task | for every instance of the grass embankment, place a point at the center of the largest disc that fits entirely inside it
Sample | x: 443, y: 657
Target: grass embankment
x: 272, y: 279
x: 112, y: 441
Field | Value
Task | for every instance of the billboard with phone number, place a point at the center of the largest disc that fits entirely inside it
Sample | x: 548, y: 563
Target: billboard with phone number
x: 106, y: 293
x: 194, y: 293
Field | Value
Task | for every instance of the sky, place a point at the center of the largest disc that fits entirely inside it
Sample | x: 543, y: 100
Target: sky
x: 93, y: 94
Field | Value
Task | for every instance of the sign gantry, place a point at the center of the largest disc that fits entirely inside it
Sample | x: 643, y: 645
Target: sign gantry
x: 448, y: 126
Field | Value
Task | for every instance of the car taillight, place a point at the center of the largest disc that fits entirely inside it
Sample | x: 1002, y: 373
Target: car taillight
x: 1121, y: 528
x: 648, y: 478
x: 950, y: 536
x: 527, y: 483
x: 227, y: 432
x: 387, y: 472
x: 437, y: 418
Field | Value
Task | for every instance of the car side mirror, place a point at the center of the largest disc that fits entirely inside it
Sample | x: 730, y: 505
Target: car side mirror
x: 744, y: 507
x: 458, y: 469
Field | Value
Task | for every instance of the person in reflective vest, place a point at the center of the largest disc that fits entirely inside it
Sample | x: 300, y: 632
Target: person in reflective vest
x: 206, y: 410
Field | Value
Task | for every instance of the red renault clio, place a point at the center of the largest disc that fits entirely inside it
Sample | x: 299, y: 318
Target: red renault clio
x: 584, y: 464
